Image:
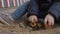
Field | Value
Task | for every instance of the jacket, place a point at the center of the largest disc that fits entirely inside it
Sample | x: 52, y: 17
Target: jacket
x: 43, y: 7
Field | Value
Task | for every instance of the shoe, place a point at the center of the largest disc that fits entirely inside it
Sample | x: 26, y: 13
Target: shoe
x: 6, y: 19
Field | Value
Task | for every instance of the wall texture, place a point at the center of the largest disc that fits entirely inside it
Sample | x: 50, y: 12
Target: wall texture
x: 11, y: 3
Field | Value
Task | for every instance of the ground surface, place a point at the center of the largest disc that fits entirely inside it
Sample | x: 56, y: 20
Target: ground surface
x: 16, y: 29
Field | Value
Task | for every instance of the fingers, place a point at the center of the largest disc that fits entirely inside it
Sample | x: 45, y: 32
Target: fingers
x: 49, y: 19
x: 29, y: 19
x: 45, y: 20
x: 32, y: 19
x: 35, y: 19
x: 52, y: 20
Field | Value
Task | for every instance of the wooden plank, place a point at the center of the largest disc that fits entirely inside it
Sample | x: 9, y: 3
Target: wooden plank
x: 6, y: 3
x: 3, y: 3
x: 19, y: 2
x: 14, y: 3
x: 0, y: 4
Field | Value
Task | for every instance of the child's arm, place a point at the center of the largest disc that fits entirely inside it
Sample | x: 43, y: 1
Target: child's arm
x: 33, y: 9
x: 55, y: 10
x: 53, y: 14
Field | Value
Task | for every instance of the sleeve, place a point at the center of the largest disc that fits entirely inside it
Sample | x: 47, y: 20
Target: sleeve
x: 33, y: 9
x: 55, y: 10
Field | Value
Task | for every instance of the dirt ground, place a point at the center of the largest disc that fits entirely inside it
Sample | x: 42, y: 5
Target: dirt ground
x: 16, y: 29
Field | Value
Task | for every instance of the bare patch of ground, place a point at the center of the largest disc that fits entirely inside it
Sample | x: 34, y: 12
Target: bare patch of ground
x: 16, y: 29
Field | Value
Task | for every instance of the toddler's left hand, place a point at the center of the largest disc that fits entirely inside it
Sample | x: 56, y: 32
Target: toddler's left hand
x: 49, y: 19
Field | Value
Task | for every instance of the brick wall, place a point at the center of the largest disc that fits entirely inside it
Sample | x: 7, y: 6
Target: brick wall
x: 11, y: 3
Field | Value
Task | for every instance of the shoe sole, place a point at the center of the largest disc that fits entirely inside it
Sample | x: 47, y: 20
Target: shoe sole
x: 3, y: 21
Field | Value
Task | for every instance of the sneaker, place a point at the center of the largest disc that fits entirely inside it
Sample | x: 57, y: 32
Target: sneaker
x: 6, y: 19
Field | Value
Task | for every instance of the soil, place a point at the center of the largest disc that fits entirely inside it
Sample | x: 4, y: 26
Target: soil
x: 21, y: 29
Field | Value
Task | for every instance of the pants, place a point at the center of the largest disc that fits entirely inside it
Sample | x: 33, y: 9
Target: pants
x: 20, y: 11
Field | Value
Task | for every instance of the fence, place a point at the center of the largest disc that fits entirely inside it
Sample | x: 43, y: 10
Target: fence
x: 11, y: 3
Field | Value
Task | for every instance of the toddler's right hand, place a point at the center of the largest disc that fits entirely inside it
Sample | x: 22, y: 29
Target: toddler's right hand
x: 33, y: 19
